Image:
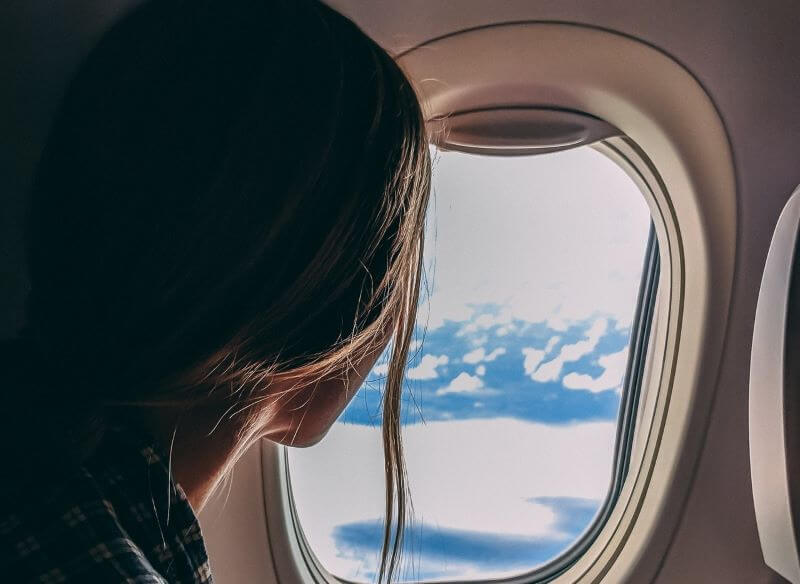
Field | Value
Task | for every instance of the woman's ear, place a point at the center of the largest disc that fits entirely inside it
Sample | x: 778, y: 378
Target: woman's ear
x: 312, y: 405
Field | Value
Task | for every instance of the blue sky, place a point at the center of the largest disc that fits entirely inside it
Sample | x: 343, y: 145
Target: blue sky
x: 533, y: 267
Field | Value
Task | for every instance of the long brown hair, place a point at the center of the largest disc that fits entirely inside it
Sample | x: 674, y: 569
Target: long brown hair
x: 231, y: 189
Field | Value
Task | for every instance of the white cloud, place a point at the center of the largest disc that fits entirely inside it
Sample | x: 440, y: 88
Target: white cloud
x: 380, y: 370
x: 484, y: 321
x: 475, y: 356
x: 551, y: 370
x: 463, y: 383
x: 613, y: 365
x: 551, y: 344
x: 495, y: 354
x: 479, y: 354
x: 448, y: 489
x: 533, y: 357
x: 557, y: 323
x: 440, y: 308
x: 597, y: 330
x: 427, y: 367
x: 480, y: 370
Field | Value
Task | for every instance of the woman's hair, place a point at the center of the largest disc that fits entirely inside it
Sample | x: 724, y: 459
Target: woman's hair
x: 230, y: 190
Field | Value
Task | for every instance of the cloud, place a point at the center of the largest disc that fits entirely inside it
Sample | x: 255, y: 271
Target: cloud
x: 480, y: 354
x: 495, y: 354
x: 427, y: 367
x: 551, y: 344
x: 533, y: 357
x: 464, y: 383
x: 480, y: 370
x: 487, y: 320
x: 380, y: 370
x: 464, y: 476
x: 475, y: 356
x: 551, y: 370
x: 382, y: 366
x: 440, y: 308
x: 557, y: 323
x: 613, y: 365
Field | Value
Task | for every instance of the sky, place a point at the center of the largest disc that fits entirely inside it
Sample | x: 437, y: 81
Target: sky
x: 532, y: 267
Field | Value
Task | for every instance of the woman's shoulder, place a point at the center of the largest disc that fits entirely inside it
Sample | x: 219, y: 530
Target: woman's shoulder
x: 118, y: 517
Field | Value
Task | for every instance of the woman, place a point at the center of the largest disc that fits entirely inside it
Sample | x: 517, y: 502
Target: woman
x: 225, y: 233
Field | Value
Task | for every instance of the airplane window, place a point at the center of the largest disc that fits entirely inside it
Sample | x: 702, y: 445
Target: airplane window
x: 534, y: 270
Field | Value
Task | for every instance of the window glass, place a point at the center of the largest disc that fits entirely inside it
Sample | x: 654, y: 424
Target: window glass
x: 533, y: 268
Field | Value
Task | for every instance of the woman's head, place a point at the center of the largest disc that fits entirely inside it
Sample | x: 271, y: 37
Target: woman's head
x: 232, y: 195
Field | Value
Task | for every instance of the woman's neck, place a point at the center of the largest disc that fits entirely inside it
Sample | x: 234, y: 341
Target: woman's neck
x: 201, y: 449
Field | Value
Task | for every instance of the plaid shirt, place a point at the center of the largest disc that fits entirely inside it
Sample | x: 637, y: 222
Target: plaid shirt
x: 118, y: 518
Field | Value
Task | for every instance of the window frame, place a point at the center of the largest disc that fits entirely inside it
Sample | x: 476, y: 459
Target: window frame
x: 621, y: 151
x: 666, y: 113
